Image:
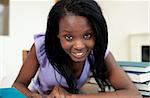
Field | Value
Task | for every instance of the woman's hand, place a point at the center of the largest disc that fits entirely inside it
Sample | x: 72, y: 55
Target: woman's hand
x: 57, y: 92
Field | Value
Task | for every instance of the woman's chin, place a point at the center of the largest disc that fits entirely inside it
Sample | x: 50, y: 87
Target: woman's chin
x: 78, y: 59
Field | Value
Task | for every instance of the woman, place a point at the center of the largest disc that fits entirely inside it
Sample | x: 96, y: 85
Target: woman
x: 75, y: 45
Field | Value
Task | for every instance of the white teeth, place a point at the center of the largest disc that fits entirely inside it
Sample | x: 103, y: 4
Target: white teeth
x: 79, y: 54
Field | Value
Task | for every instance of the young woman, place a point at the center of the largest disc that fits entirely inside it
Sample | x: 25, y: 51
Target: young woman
x: 75, y: 45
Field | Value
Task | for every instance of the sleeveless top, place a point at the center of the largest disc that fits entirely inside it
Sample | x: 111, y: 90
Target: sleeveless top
x: 47, y: 76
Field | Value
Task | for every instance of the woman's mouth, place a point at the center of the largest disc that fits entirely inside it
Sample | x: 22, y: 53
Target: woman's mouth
x: 78, y: 54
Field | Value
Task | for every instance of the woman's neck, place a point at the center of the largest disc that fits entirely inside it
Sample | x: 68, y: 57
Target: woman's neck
x: 77, y: 68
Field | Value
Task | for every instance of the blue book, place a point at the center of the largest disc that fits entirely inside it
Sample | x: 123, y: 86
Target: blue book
x: 11, y: 93
x: 135, y: 66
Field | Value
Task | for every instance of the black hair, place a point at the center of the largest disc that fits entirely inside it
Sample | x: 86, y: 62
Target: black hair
x: 56, y: 55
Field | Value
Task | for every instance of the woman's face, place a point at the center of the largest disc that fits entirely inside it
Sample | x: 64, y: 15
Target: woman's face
x: 76, y: 37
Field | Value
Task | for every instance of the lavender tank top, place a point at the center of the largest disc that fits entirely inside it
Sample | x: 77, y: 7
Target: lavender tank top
x: 47, y: 76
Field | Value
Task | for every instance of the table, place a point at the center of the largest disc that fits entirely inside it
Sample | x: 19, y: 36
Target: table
x: 14, y: 93
x: 89, y: 88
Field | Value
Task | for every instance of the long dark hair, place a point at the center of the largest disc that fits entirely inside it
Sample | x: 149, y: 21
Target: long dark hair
x: 56, y: 55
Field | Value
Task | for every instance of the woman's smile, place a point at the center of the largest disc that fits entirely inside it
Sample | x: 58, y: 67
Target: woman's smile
x: 78, y: 54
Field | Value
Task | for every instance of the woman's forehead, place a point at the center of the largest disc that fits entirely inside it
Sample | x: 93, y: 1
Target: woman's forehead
x: 74, y: 22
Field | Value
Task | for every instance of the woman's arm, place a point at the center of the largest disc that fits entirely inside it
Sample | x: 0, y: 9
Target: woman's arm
x: 27, y: 72
x: 118, y: 79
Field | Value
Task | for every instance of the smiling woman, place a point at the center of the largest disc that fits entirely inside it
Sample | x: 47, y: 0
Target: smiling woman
x: 4, y: 16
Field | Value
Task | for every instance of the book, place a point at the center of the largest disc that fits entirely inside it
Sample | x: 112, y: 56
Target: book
x: 143, y: 86
x: 138, y: 76
x: 135, y: 66
x: 11, y: 93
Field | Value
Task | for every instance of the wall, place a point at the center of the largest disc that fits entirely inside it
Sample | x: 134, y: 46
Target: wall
x: 29, y: 17
x: 125, y: 17
x: 136, y: 43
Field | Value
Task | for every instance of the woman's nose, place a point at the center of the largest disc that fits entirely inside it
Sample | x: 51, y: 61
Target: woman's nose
x: 79, y: 45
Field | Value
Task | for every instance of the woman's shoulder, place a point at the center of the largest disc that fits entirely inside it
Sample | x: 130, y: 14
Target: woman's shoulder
x: 39, y: 41
x: 39, y: 36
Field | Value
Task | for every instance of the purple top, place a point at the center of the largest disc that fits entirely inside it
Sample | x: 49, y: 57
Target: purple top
x: 47, y: 76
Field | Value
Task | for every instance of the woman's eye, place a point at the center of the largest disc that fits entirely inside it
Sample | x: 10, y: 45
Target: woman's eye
x: 68, y: 37
x: 87, y: 36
